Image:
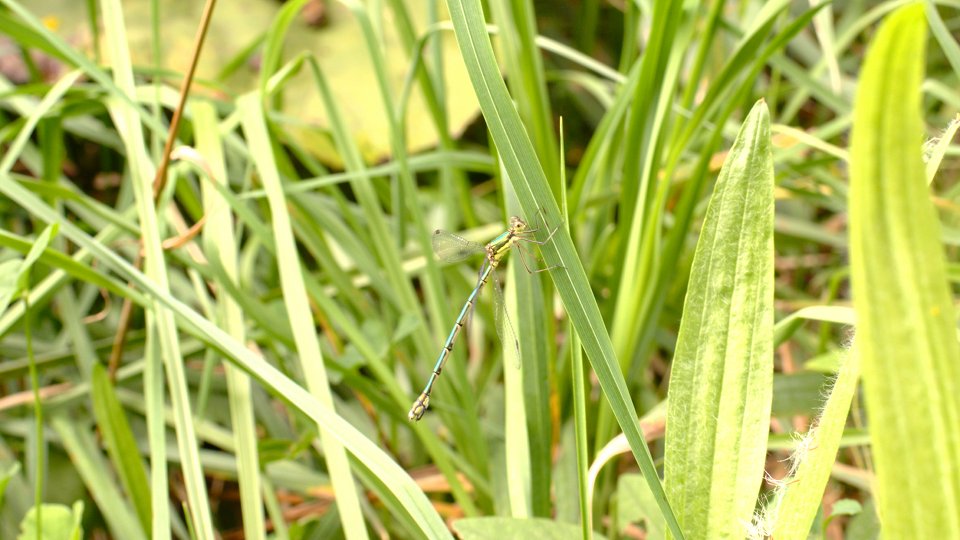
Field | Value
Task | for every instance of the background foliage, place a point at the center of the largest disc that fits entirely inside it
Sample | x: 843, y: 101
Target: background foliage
x: 230, y: 345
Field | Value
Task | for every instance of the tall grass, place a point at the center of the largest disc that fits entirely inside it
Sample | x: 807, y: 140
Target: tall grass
x: 237, y: 350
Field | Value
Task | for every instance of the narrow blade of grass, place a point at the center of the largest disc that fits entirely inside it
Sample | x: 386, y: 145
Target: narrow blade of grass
x: 222, y: 244
x: 120, y: 443
x: 524, y: 68
x: 517, y: 434
x: 799, y: 496
x: 301, y: 318
x: 140, y: 174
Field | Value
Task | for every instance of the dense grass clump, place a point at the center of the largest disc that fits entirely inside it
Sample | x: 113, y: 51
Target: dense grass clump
x: 219, y: 294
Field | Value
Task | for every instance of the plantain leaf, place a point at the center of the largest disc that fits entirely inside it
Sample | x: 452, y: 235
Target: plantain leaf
x: 722, y: 376
x: 905, y: 315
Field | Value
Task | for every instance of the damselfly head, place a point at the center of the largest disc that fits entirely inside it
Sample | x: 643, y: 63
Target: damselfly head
x: 517, y: 224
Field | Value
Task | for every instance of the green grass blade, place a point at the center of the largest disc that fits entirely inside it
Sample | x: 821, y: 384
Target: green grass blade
x: 78, y: 441
x: 520, y: 162
x: 531, y: 323
x: 140, y: 173
x: 946, y: 40
x: 722, y: 373
x: 906, y: 317
x: 71, y: 266
x: 298, y: 309
x: 580, y: 434
x: 8, y: 471
x: 221, y: 243
x: 578, y: 381
x: 800, y: 494
x: 120, y: 443
x: 15, y: 273
x: 519, y: 438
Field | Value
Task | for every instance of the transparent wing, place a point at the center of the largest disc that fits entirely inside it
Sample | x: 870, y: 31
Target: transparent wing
x: 502, y: 320
x: 452, y: 248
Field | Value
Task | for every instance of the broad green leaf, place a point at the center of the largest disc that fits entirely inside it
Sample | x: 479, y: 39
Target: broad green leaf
x: 905, y: 314
x: 722, y: 374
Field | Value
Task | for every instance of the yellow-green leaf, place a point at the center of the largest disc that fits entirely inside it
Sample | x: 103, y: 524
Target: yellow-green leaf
x: 722, y: 376
x: 905, y: 315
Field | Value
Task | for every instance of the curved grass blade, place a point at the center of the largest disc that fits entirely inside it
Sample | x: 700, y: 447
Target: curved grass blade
x: 222, y: 245
x: 533, y: 193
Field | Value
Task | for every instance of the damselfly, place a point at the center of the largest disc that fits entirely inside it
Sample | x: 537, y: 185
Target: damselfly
x: 450, y: 247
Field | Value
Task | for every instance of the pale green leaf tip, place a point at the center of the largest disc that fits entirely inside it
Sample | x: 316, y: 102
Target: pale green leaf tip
x: 759, y: 108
